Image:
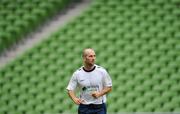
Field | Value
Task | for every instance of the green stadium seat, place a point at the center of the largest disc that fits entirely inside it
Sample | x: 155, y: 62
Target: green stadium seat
x: 30, y: 13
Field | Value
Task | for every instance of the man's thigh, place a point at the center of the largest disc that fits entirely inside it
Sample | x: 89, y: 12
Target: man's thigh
x: 83, y: 109
x: 103, y: 111
x: 88, y: 110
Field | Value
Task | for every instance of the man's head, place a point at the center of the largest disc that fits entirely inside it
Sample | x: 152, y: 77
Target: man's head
x: 89, y: 56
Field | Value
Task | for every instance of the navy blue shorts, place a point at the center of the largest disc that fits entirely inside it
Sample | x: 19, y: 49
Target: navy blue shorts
x: 92, y: 109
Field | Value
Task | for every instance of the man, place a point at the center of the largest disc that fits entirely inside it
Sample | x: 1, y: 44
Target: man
x: 94, y: 83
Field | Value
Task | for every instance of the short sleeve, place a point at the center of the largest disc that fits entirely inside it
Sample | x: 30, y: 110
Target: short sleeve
x: 107, y: 79
x: 72, y: 83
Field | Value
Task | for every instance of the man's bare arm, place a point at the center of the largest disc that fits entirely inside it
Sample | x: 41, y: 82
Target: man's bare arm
x: 101, y: 93
x: 75, y: 99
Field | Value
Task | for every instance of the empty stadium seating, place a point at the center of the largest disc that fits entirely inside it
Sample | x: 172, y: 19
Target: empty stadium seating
x: 20, y: 17
x: 136, y: 40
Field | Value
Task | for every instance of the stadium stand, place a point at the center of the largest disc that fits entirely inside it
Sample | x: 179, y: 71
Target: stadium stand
x: 136, y: 40
x: 20, y: 17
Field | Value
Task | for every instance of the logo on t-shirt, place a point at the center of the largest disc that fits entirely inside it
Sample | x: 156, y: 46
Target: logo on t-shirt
x: 87, y: 93
x: 90, y: 88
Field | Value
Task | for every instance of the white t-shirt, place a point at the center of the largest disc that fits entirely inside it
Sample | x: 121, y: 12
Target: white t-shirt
x: 90, y: 81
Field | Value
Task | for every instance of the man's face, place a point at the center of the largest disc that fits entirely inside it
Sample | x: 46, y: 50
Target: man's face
x: 90, y: 57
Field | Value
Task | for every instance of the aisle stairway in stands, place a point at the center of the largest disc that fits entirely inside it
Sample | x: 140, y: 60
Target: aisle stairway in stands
x: 41, y: 31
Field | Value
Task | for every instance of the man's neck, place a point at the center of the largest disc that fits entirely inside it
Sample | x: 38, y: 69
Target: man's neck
x: 88, y: 67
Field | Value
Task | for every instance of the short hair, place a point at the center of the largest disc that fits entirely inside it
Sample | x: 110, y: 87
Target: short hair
x: 84, y: 53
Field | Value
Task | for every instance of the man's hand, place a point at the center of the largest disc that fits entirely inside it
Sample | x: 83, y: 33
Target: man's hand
x: 96, y: 94
x: 101, y: 93
x: 77, y: 100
